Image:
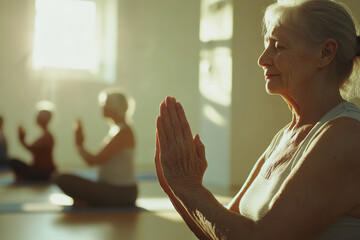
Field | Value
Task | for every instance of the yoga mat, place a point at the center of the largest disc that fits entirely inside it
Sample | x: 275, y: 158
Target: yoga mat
x: 91, y: 174
x: 43, y: 207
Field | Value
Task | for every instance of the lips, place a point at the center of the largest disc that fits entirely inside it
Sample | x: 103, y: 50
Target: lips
x: 268, y: 76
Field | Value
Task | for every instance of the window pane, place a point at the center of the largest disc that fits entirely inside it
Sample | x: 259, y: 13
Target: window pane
x: 65, y: 34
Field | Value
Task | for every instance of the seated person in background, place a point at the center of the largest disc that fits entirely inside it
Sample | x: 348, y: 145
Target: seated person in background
x: 306, y: 185
x: 3, y: 147
x: 117, y: 184
x: 41, y: 149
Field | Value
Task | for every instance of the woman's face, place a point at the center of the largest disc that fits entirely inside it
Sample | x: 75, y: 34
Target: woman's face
x: 289, y: 63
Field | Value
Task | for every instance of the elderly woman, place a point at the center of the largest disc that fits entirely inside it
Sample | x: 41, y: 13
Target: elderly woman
x: 42, y: 165
x: 306, y: 185
x: 116, y: 185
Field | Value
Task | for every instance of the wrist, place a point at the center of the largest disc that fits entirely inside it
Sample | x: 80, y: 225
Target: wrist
x: 189, y: 186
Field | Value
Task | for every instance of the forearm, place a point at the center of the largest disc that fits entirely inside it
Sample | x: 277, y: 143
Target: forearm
x: 213, y: 218
x: 190, y: 222
x: 86, y: 155
x: 25, y: 145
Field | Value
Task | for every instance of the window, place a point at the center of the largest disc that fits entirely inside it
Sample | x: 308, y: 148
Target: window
x: 70, y: 37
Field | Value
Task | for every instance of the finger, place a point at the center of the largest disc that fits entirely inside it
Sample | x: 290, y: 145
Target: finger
x: 200, y: 148
x: 80, y: 125
x: 158, y: 167
x: 157, y: 155
x: 161, y: 131
x: 157, y: 148
x: 157, y: 151
x: 174, y: 118
x: 184, y: 123
x: 166, y: 131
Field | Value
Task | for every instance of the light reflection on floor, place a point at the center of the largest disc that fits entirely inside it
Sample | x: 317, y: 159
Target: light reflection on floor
x: 57, y: 202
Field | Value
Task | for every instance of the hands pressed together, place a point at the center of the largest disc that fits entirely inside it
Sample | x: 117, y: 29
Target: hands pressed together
x: 179, y: 159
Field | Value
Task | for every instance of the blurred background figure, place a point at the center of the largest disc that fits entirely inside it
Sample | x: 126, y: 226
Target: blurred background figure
x: 3, y: 147
x: 42, y: 165
x: 116, y: 185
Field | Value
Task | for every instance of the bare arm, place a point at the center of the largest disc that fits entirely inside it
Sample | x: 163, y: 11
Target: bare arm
x: 123, y: 139
x: 46, y: 140
x: 183, y: 179
x: 321, y: 189
x: 197, y: 230
x: 21, y: 136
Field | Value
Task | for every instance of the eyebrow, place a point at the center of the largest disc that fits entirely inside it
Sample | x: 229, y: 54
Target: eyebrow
x: 269, y: 37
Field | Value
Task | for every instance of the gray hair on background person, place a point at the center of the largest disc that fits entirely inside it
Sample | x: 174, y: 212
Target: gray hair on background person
x: 45, y: 109
x: 316, y: 21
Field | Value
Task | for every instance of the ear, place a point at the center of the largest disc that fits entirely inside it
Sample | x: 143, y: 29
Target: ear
x: 328, y: 52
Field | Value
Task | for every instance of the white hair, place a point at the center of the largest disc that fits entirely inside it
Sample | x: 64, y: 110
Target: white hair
x: 45, y: 110
x: 318, y: 20
x: 45, y: 105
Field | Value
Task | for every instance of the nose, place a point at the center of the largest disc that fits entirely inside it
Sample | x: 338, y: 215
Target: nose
x: 265, y: 59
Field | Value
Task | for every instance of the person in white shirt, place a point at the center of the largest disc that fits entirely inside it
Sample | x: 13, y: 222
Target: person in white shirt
x: 306, y: 185
x: 117, y: 185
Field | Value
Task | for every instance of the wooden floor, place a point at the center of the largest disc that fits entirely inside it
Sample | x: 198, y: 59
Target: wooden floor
x: 30, y: 212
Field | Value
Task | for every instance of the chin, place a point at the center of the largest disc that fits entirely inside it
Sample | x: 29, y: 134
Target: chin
x: 273, y: 88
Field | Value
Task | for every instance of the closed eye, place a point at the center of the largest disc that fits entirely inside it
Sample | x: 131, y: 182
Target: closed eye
x: 279, y: 46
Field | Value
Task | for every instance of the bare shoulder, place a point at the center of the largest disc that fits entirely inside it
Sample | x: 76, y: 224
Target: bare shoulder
x: 341, y: 135
x: 336, y: 152
x: 125, y: 137
x: 323, y: 185
x: 126, y: 131
x: 345, y: 124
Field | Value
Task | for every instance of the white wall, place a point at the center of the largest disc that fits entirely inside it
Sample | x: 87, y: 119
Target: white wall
x: 158, y: 56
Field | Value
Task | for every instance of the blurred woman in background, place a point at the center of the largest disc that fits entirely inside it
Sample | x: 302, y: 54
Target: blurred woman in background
x: 42, y: 165
x: 116, y: 185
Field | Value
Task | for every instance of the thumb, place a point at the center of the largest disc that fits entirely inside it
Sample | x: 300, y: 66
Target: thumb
x: 200, y: 148
x: 158, y: 167
x: 157, y: 147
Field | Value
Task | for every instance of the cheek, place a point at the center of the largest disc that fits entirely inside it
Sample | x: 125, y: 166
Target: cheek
x: 286, y: 64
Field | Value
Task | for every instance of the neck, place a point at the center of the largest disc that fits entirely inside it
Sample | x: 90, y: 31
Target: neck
x: 116, y: 121
x: 308, y: 108
x: 44, y: 128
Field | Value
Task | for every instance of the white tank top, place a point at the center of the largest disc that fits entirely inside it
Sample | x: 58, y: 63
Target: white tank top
x: 255, y: 202
x: 119, y: 170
